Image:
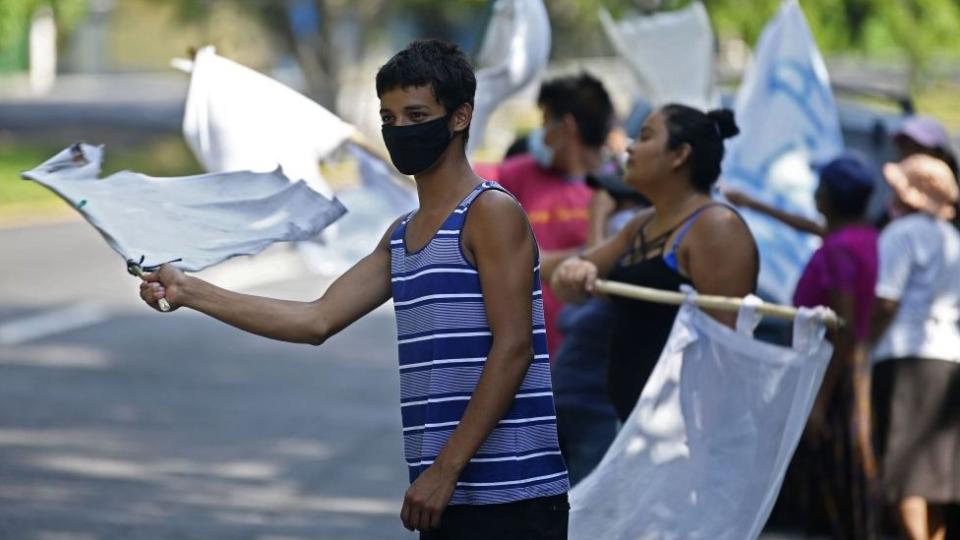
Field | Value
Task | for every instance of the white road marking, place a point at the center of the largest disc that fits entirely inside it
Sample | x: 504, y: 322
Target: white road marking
x: 52, y: 322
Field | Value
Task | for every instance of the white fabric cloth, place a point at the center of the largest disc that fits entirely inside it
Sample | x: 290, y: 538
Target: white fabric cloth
x: 374, y: 206
x: 197, y: 220
x: 514, y: 52
x: 704, y: 452
x: 670, y: 54
x: 919, y: 267
x: 237, y: 119
x: 788, y: 121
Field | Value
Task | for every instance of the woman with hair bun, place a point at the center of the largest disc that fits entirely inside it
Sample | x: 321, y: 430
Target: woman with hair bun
x: 685, y: 238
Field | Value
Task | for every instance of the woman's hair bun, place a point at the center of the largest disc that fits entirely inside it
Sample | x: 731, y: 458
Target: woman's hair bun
x: 726, y: 124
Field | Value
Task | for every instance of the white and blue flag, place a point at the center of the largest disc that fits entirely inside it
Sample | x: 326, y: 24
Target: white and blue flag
x: 788, y: 121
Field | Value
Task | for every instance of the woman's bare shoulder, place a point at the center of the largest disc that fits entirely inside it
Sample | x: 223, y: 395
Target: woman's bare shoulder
x: 721, y: 222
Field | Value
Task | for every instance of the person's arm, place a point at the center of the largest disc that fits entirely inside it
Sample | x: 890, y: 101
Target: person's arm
x: 843, y: 274
x: 884, y: 310
x: 844, y: 359
x: 501, y: 243
x: 602, y: 206
x: 573, y: 280
x: 354, y: 294
x: 895, y: 256
x: 800, y: 223
x: 550, y: 260
x: 719, y: 256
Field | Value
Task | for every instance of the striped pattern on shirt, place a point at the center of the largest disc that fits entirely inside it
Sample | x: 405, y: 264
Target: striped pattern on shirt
x: 444, y: 339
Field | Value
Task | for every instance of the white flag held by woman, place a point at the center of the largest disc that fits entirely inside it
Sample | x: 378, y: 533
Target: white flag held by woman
x: 704, y: 452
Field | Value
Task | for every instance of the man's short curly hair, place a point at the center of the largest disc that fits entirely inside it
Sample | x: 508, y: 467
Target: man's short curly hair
x: 439, y: 64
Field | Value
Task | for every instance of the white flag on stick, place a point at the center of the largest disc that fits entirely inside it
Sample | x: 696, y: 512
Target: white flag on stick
x: 237, y: 119
x: 196, y: 221
x: 670, y: 54
x: 374, y: 205
x: 704, y: 452
x: 788, y: 122
x: 515, y: 51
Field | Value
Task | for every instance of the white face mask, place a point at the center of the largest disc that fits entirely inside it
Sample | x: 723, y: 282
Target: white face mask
x: 537, y: 147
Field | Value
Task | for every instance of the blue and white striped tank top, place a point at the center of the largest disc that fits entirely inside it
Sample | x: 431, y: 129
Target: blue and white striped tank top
x: 444, y: 339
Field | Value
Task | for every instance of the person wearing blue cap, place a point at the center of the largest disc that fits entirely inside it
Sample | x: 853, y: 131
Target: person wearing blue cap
x: 836, y: 454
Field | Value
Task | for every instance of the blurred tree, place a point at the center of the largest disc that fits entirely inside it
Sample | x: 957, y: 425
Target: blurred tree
x: 326, y: 35
x: 918, y: 30
x: 15, y: 17
x: 576, y: 26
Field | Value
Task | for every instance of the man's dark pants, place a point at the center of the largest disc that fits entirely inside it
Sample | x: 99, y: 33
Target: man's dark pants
x: 543, y: 518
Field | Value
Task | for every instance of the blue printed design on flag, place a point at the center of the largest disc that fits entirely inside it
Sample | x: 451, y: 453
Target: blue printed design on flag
x: 789, y: 124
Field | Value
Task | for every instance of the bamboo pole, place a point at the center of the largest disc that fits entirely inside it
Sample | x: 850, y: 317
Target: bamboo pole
x: 724, y: 303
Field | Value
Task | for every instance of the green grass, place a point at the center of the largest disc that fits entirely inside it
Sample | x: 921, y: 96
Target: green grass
x: 21, y: 199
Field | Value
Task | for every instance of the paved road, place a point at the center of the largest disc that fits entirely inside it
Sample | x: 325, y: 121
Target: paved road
x: 118, y: 423
x: 143, y: 425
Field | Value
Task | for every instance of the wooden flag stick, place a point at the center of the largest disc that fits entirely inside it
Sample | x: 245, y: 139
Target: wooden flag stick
x: 724, y: 303
x: 137, y: 271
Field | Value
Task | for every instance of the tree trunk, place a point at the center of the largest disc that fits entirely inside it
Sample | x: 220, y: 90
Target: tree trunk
x: 310, y: 46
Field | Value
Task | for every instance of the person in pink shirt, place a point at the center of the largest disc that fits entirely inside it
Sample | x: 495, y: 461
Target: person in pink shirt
x: 549, y: 180
x: 835, y: 458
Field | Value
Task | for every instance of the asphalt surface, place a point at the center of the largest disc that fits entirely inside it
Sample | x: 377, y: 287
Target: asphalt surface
x: 120, y: 423
x: 117, y: 422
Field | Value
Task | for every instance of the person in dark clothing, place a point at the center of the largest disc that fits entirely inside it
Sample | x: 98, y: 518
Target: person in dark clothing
x: 684, y: 238
x: 586, y: 420
x: 832, y: 481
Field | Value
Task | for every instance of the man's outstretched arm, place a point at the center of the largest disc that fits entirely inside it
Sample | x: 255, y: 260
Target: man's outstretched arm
x: 358, y: 291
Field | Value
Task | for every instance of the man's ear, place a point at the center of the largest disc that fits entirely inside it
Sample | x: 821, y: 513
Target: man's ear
x: 462, y: 117
x: 570, y: 126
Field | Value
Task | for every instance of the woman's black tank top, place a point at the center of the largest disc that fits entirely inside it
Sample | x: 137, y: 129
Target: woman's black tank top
x: 641, y: 329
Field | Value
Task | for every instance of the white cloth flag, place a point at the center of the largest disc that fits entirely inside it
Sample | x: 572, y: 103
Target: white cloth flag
x: 515, y: 51
x: 197, y: 221
x: 704, y: 452
x: 394, y: 195
x: 237, y: 119
x: 374, y: 205
x: 788, y: 121
x: 670, y: 54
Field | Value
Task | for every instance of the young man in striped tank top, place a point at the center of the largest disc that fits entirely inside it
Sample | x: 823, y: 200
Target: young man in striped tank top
x: 463, y: 271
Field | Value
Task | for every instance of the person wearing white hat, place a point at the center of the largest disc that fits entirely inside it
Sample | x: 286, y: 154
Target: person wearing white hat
x: 916, y: 337
x: 924, y: 135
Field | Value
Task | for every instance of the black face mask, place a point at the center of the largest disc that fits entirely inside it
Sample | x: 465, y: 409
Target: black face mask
x: 415, y: 148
